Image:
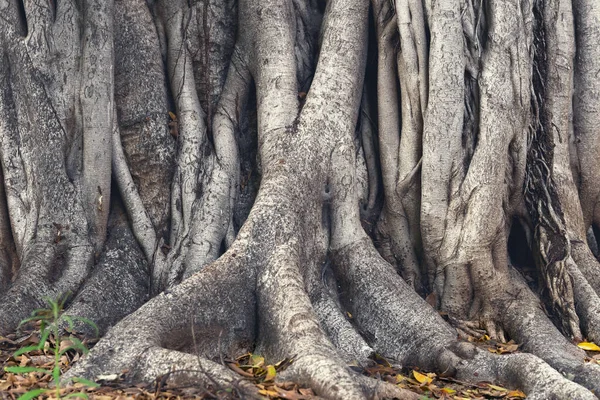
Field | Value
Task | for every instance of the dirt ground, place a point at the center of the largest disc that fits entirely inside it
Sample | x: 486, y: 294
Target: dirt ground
x: 249, y: 366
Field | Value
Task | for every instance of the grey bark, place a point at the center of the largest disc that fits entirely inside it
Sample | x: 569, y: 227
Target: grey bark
x: 215, y: 177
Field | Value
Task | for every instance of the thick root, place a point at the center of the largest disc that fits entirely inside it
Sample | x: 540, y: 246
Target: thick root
x: 373, y: 297
x: 210, y: 314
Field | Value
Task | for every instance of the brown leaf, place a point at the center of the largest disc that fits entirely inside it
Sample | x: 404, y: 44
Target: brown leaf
x: 306, y: 391
x: 431, y: 299
x: 23, y: 360
x: 41, y: 360
x: 240, y: 371
x: 290, y: 394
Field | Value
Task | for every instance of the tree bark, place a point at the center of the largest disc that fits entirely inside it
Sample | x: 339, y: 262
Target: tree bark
x: 293, y: 178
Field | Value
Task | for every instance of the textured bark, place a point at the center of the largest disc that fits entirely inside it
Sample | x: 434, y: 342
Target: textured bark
x: 214, y: 177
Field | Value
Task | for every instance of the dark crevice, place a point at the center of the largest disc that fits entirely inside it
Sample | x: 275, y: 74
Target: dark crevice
x: 596, y: 245
x: 249, y: 159
x: 474, y: 32
x: 520, y: 255
x: 22, y: 17
x: 53, y: 6
x: 57, y: 264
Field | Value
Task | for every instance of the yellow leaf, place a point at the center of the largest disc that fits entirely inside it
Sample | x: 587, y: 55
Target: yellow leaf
x: 257, y: 361
x: 499, y: 388
x: 423, y: 379
x: 271, y: 393
x: 270, y: 373
x: 173, y: 116
x: 516, y: 393
x: 448, y: 390
x: 589, y: 346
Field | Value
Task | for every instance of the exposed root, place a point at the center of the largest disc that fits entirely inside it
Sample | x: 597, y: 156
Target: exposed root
x: 528, y: 325
x: 177, y: 368
x: 222, y: 324
x: 373, y: 294
x: 376, y: 389
x: 350, y: 344
x: 457, y: 88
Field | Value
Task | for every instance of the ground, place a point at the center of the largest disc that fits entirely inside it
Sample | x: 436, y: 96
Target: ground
x: 249, y: 367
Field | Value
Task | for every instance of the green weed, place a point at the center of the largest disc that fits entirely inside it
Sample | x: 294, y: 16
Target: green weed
x: 51, y: 319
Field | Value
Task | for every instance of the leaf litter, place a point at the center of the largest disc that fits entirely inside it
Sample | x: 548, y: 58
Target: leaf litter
x: 251, y: 367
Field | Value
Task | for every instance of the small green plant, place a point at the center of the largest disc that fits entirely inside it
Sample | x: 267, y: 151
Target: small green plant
x: 51, y: 319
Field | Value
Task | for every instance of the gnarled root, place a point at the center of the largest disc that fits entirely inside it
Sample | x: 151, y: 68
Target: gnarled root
x: 400, y: 325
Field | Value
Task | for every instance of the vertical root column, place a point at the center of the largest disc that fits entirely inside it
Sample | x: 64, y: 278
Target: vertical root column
x: 541, y: 198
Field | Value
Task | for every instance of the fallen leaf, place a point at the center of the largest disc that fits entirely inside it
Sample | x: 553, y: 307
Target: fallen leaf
x: 590, y: 346
x: 516, y: 393
x: 431, y: 299
x: 240, y: 371
x: 421, y: 378
x: 39, y: 360
x: 271, y: 393
x: 107, y: 377
x: 289, y: 394
x: 257, y: 361
x: 270, y: 373
x: 23, y: 360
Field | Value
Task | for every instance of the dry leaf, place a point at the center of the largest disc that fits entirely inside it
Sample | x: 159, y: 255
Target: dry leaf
x: 421, y: 378
x: 590, y: 346
x: 270, y: 373
x: 257, y: 361
x: 108, y: 377
x: 271, y: 393
x: 516, y: 393
x: 431, y: 299
x: 40, y: 360
x: 23, y: 360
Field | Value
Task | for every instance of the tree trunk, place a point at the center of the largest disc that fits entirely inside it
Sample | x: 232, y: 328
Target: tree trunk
x: 263, y: 170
